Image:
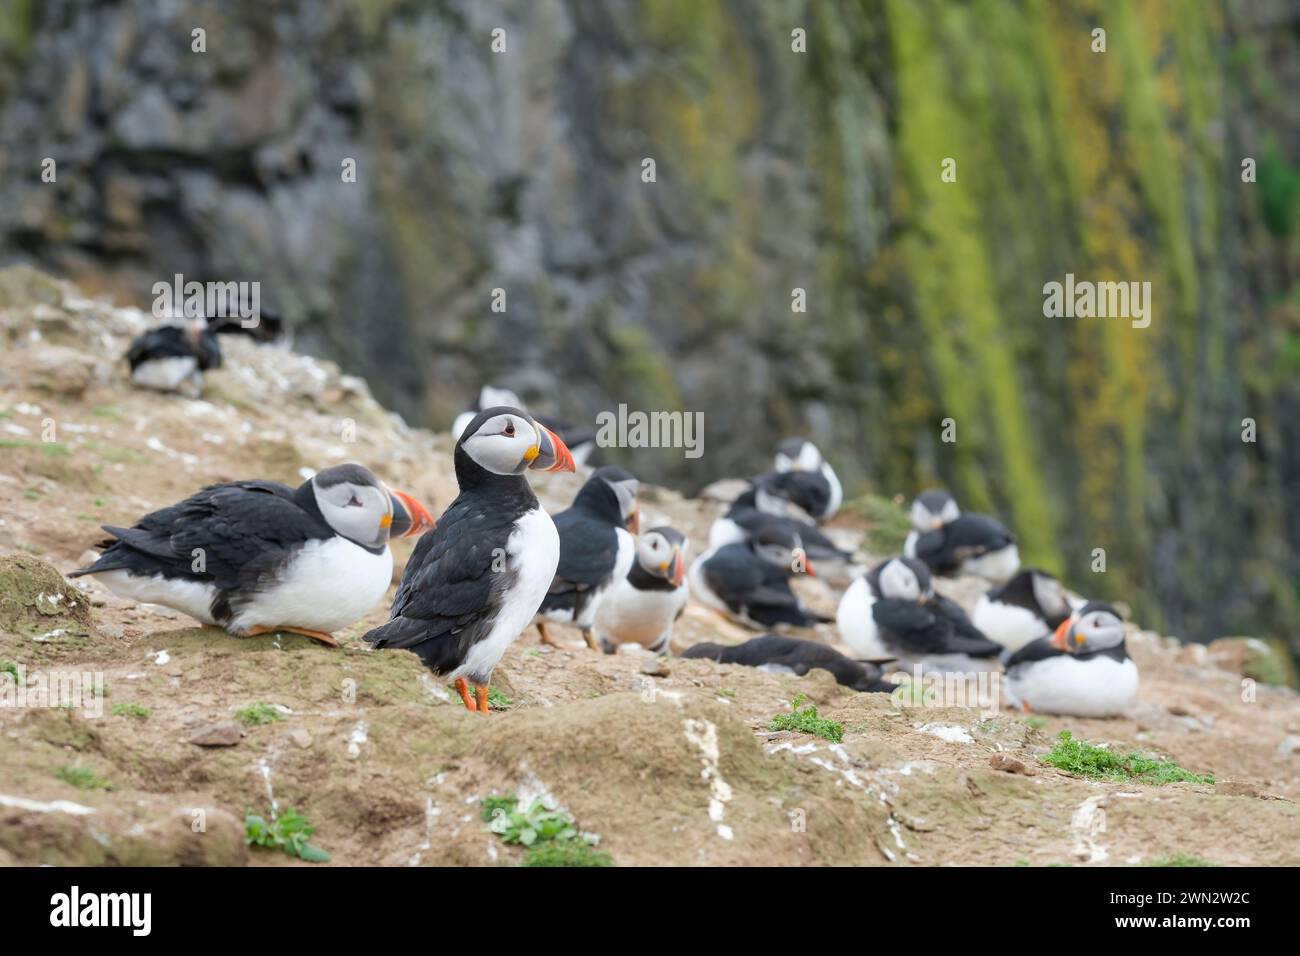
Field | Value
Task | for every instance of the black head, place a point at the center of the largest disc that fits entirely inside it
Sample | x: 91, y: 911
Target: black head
x: 901, y: 578
x: 610, y: 493
x: 1035, y: 590
x: 779, y: 545
x: 506, y: 441
x: 932, y: 510
x: 1096, y: 626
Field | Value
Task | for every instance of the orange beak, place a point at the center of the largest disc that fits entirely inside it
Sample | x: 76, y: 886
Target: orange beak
x: 418, y: 515
x: 1061, y: 639
x: 808, y: 568
x: 552, y: 453
x: 677, y: 570
x: 634, y: 522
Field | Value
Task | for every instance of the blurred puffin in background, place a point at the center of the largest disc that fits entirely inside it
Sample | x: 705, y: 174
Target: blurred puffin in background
x: 173, y: 357
x: 1029, y: 606
x: 641, y: 607
x: 778, y: 654
x: 951, y: 541
x: 597, y: 548
x: 750, y: 581
x: 785, y: 498
x: 801, y: 455
x: 1082, y: 670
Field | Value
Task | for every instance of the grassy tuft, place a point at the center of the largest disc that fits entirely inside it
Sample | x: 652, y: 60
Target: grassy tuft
x: 288, y: 833
x: 806, y: 721
x: 83, y: 778
x: 1097, y: 763
x: 1179, y: 859
x: 132, y: 710
x: 549, y: 833
x: 260, y: 713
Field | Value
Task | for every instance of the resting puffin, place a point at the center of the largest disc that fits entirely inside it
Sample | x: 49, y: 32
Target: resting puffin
x: 801, y: 455
x: 474, y: 583
x: 581, y: 442
x: 173, y: 357
x: 1029, y: 606
x: 257, y: 556
x: 1082, y: 670
x: 596, y: 550
x: 641, y: 607
x: 750, y: 581
x: 951, y: 541
x: 270, y: 327
x: 791, y: 655
x: 893, y: 612
x: 786, y: 497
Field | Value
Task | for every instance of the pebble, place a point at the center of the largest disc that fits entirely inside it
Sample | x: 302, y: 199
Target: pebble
x: 1009, y: 764
x: 655, y: 668
x: 224, y: 733
x: 301, y: 737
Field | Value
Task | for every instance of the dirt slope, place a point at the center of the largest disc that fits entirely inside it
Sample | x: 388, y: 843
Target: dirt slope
x: 672, y: 767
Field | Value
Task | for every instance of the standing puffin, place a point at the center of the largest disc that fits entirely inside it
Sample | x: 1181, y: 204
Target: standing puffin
x: 473, y: 584
x: 893, y: 612
x: 580, y: 442
x: 1029, y: 606
x: 791, y: 655
x: 596, y: 550
x: 641, y: 607
x: 750, y: 581
x: 788, y: 498
x: 173, y: 357
x: 257, y: 556
x: 801, y: 455
x: 1082, y: 670
x: 951, y: 541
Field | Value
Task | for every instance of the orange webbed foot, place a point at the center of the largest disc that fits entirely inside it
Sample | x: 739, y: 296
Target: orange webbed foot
x: 462, y: 688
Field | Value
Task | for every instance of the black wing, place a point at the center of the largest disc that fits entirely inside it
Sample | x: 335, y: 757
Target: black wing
x: 588, y: 552
x: 972, y: 535
x: 935, y: 549
x: 229, y: 534
x: 920, y: 630
x: 979, y: 645
x: 449, y: 595
x: 166, y: 341
x: 1037, y: 650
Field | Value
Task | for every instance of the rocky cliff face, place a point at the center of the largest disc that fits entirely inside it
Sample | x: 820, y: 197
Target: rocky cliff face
x: 775, y: 170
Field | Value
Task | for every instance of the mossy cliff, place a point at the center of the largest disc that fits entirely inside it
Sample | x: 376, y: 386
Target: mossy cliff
x: 775, y: 170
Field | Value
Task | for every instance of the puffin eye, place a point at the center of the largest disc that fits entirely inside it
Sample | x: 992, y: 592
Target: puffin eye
x: 353, y: 502
x: 509, y: 430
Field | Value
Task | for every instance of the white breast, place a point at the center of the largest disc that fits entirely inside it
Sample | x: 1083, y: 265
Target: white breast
x: 628, y: 615
x: 723, y: 532
x: 532, y: 555
x: 700, y: 588
x: 857, y: 626
x: 837, y: 493
x: 328, y: 585
x: 165, y: 374
x: 909, y: 544
x: 1000, y: 565
x: 1097, y: 687
x: 189, y: 597
x: 461, y: 423
x: 622, y: 565
x: 1006, y: 624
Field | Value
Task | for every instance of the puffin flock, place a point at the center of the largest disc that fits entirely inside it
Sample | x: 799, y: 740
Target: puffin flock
x: 256, y: 557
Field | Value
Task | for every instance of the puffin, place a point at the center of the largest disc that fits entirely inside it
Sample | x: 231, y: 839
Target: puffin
x: 750, y: 581
x: 597, y: 548
x: 777, y: 654
x: 893, y: 613
x: 475, y: 581
x: 254, y: 557
x: 173, y: 357
x: 270, y: 327
x: 1029, y: 606
x: 1082, y: 670
x: 801, y: 455
x: 641, y: 607
x: 952, y: 542
x: 786, y: 497
x: 581, y: 442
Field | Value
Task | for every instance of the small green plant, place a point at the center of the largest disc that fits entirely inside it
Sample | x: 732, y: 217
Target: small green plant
x: 1098, y: 763
x: 83, y: 778
x: 1037, y: 722
x: 728, y: 692
x: 496, y: 699
x: 806, y: 721
x: 1179, y: 859
x: 288, y: 833
x: 9, y: 667
x: 132, y: 710
x: 260, y: 713
x: 549, y: 833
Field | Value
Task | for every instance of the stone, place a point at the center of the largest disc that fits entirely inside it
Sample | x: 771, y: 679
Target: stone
x: 224, y: 733
x: 1008, y: 764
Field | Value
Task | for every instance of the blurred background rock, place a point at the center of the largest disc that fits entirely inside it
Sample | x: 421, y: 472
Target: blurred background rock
x: 775, y: 170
